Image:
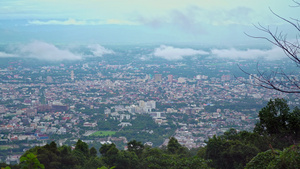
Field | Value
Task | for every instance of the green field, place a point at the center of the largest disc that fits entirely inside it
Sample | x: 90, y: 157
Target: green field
x: 103, y: 133
x: 4, y: 147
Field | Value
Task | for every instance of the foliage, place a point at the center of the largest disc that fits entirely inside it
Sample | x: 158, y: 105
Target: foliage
x: 261, y: 159
x: 279, y: 123
x: 288, y: 158
x: 271, y: 159
x: 233, y: 149
x: 6, y: 167
x: 103, y: 133
x: 140, y: 130
x: 103, y: 167
x: 93, y: 152
x: 135, y: 146
x: 154, y: 158
x: 30, y: 162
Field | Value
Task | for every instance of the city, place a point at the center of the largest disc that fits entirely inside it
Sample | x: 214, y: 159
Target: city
x: 103, y: 101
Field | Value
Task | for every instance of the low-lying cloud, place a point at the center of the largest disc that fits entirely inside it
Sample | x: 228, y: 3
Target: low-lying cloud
x: 46, y: 51
x: 81, y: 22
x: 274, y: 53
x: 171, y: 53
x: 98, y: 50
x: 6, y: 55
x: 57, y: 22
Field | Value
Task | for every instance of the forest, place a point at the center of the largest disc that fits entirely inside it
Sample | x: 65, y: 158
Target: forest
x: 274, y: 143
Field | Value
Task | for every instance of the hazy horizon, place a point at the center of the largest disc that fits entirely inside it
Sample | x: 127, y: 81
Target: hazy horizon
x: 141, y: 22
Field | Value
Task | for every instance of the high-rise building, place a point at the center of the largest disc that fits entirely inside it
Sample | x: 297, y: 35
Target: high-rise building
x: 181, y: 80
x: 226, y: 77
x: 151, y: 104
x: 72, y: 75
x: 170, y: 78
x: 157, y: 77
x: 49, y: 79
x: 141, y: 103
x: 147, y: 77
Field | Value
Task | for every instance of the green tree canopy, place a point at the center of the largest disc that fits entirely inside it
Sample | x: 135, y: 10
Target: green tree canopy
x: 277, y: 121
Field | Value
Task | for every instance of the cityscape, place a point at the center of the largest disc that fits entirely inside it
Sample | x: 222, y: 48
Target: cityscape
x: 151, y: 84
x: 70, y: 101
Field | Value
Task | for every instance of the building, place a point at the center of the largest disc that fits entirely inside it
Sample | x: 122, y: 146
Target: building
x: 170, y: 78
x: 226, y: 77
x: 141, y: 103
x: 181, y: 80
x: 72, y: 75
x: 57, y: 106
x: 157, y: 77
x: 49, y: 79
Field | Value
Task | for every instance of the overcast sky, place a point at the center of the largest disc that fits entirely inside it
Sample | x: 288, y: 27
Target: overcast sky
x: 213, y: 22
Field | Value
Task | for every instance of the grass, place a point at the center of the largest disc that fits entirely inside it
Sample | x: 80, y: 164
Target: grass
x: 4, y: 147
x: 103, y: 133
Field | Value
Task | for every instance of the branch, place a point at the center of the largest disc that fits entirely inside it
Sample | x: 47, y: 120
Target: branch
x: 286, y: 20
x: 297, y: 4
x: 288, y: 83
x: 266, y: 81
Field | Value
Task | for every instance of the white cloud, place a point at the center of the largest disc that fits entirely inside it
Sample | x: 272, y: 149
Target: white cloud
x: 274, y: 53
x: 46, y: 51
x: 145, y: 57
x: 171, y: 53
x: 120, y: 22
x: 57, y: 22
x: 6, y: 55
x: 81, y: 22
x: 99, y: 50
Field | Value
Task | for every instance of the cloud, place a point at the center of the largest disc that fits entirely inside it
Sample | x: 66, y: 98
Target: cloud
x: 6, y: 55
x: 274, y: 53
x: 57, y: 22
x: 46, y: 51
x: 187, y: 21
x: 184, y: 20
x: 119, y: 22
x: 99, y: 50
x: 196, y: 20
x: 152, y: 22
x: 82, y: 22
x: 171, y: 53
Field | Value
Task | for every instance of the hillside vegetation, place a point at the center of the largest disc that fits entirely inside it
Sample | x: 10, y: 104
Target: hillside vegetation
x: 274, y: 143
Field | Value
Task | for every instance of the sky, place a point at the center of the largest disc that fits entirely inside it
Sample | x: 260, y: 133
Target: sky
x: 162, y: 22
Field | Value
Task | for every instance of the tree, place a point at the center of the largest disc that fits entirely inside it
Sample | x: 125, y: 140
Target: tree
x: 127, y: 159
x: 135, y: 146
x: 93, y: 162
x: 30, y: 162
x: 277, y: 121
x: 226, y: 153
x: 288, y: 158
x: 262, y: 159
x: 93, y: 152
x: 109, y: 154
x: 173, y: 145
x: 82, y: 147
x: 278, y: 79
